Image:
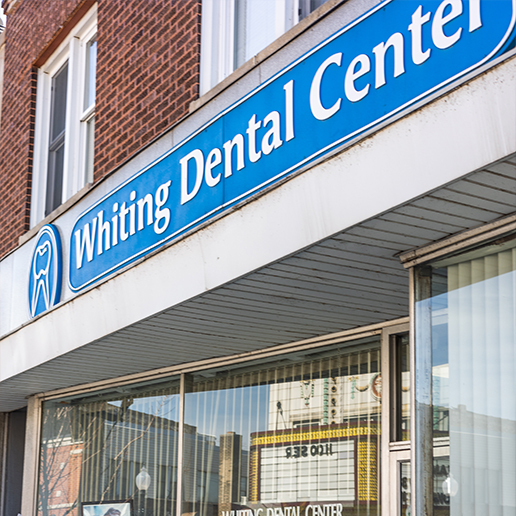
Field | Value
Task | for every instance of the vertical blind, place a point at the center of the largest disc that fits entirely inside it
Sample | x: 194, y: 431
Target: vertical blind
x: 482, y: 384
x: 296, y: 432
x: 92, y: 451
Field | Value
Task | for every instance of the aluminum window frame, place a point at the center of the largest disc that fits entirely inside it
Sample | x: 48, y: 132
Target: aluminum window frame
x: 384, y: 331
x: 391, y: 450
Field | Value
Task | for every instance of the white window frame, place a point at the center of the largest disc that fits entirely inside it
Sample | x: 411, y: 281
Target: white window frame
x: 74, y: 50
x: 218, y: 32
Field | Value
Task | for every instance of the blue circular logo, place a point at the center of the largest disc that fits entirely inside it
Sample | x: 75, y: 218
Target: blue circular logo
x: 46, y: 269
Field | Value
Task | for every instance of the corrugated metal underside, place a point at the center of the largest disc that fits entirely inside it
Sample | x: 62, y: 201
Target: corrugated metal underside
x: 352, y: 279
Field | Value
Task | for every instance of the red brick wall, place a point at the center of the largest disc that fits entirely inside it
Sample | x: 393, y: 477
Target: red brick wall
x: 147, y: 75
x: 30, y: 28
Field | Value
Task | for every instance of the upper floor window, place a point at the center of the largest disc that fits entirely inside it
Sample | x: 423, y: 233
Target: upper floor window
x: 233, y: 31
x: 65, y: 118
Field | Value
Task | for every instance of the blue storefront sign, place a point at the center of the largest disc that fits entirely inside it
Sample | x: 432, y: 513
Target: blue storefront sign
x: 396, y: 55
x: 45, y: 272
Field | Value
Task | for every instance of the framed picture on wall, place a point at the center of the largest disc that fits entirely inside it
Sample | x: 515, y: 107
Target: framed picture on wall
x: 114, y: 508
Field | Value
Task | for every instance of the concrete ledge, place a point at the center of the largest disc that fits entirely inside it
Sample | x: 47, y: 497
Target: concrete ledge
x: 55, y: 214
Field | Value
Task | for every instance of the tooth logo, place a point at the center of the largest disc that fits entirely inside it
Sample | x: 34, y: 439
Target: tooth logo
x: 45, y: 271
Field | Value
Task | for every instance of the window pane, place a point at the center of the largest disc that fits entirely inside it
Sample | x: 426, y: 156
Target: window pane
x: 233, y: 31
x: 473, y: 309
x: 58, y: 103
x: 91, y: 73
x: 55, y: 176
x: 256, y: 27
x: 296, y: 435
x: 54, y: 192
x: 92, y: 451
x: 402, y: 388
x: 307, y: 6
x: 90, y: 149
x: 259, y: 22
x: 405, y: 509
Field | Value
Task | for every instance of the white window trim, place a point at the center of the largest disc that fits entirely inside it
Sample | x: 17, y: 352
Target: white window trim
x: 218, y: 36
x: 72, y: 48
x: 217, y: 42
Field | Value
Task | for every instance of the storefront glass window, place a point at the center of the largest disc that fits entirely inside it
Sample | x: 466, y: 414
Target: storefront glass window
x: 471, y: 304
x: 292, y: 435
x: 298, y: 436
x: 93, y: 449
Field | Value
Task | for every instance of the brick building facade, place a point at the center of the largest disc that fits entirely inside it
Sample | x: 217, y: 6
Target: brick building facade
x: 148, y: 74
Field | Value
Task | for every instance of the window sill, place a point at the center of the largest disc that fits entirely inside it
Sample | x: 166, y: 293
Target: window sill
x: 55, y: 214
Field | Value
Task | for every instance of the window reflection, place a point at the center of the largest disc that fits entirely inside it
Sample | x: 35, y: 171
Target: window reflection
x: 91, y: 73
x: 473, y: 308
x: 92, y: 451
x: 299, y: 437
x: 401, y: 388
x: 405, y: 489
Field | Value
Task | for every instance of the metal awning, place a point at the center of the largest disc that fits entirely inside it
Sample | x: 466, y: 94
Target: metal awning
x: 352, y: 279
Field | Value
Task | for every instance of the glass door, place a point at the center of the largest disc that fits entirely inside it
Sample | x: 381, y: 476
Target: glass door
x: 400, y: 480
x: 396, y: 446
